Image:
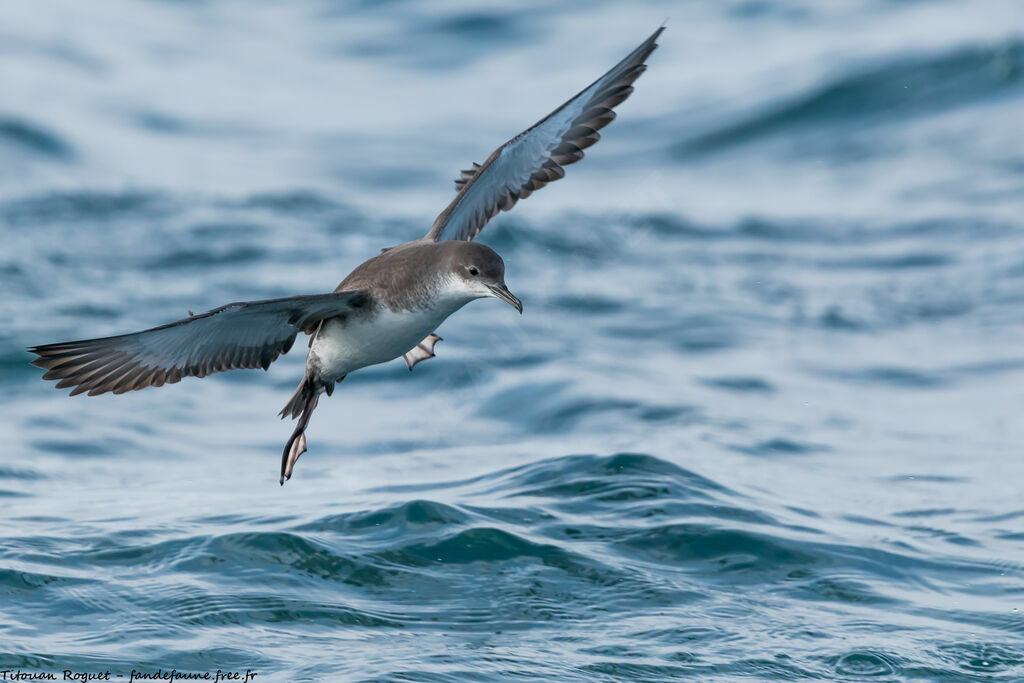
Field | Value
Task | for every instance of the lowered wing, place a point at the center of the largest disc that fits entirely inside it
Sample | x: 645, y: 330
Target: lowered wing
x: 249, y: 334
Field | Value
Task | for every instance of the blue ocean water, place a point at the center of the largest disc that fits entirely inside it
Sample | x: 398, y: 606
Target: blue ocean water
x: 760, y: 420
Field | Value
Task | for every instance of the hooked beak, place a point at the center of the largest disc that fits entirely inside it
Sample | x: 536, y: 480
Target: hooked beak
x: 501, y: 292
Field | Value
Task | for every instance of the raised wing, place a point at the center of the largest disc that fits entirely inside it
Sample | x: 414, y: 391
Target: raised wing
x: 248, y: 334
x: 536, y: 156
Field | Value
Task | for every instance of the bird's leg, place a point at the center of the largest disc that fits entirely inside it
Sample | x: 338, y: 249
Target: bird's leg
x: 296, y: 445
x: 422, y: 351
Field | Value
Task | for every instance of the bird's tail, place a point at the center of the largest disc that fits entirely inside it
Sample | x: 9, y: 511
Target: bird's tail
x: 302, y: 404
x: 299, y: 399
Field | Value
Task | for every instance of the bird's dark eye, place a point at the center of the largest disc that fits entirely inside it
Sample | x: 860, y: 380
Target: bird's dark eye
x: 473, y: 270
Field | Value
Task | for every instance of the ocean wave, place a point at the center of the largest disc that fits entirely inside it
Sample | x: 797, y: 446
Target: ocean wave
x: 34, y: 138
x: 74, y: 206
x: 903, y: 87
x: 554, y: 541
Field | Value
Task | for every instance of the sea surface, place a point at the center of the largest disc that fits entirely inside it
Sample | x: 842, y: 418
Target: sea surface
x: 762, y: 418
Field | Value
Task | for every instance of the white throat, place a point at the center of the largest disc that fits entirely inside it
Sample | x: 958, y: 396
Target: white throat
x: 456, y: 292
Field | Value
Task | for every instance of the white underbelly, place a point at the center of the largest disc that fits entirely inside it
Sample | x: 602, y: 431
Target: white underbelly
x: 342, y: 347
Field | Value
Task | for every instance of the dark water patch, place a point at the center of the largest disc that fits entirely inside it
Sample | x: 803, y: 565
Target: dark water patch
x: 163, y: 123
x: 666, y: 413
x: 228, y: 230
x: 691, y: 635
x: 894, y: 262
x: 576, y: 477
x: 261, y: 519
x: 93, y: 448
x: 595, y: 305
x: 703, y: 548
x: 760, y: 10
x: 629, y: 506
x: 739, y: 384
x: 989, y: 367
x: 808, y: 586
x: 948, y: 536
x: 781, y: 446
x: 83, y: 206
x: 527, y: 580
x: 763, y: 669
x: 901, y: 236
x: 571, y: 412
x: 591, y: 241
x: 292, y: 203
x: 835, y: 318
x: 41, y: 519
x: 160, y: 122
x: 1002, y: 517
x: 926, y: 512
x: 766, y: 289
x: 479, y: 25
x: 34, y: 138
x: 867, y: 521
x: 725, y: 553
x: 587, y: 482
x: 618, y: 651
x: 671, y: 225
x: 26, y: 583
x: 62, y: 52
x: 547, y: 408
x: 697, y: 333
x: 760, y: 229
x: 447, y: 40
x: 249, y: 610
x: 898, y: 89
x: 888, y: 376
x: 396, y: 176
x: 803, y: 231
x: 415, y: 516
x: 518, y: 359
x: 958, y: 228
x: 804, y: 512
x: 16, y: 367
x: 91, y: 311
x: 630, y: 671
x: 134, y: 555
x: 926, y: 304
x: 269, y: 554
x: 477, y: 545
x: 17, y: 279
x: 748, y: 228
x: 206, y: 257
x: 51, y: 422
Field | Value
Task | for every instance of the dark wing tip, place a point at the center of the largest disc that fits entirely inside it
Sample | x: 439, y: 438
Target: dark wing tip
x: 41, y: 361
x: 50, y: 355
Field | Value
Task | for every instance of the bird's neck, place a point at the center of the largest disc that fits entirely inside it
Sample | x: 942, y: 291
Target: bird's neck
x: 441, y: 295
x: 452, y: 293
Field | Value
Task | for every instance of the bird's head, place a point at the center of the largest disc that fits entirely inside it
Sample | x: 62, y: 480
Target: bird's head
x: 477, y: 270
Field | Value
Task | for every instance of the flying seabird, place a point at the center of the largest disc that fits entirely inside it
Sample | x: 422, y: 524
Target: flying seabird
x: 387, y: 307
